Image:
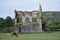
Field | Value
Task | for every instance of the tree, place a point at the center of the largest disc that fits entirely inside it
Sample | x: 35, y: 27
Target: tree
x: 9, y: 21
x: 6, y: 24
x: 1, y: 23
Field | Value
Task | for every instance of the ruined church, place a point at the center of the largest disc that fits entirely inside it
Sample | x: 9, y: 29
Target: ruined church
x: 32, y: 20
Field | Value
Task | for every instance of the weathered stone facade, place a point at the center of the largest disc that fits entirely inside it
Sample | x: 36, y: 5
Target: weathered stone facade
x: 27, y: 17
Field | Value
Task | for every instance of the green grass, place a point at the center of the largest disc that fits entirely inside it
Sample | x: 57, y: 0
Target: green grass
x: 34, y: 36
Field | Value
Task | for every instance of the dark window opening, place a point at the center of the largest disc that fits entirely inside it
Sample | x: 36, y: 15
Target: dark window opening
x: 34, y: 19
x: 17, y: 20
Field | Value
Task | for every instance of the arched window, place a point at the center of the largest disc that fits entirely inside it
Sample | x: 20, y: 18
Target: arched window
x: 34, y: 19
x: 27, y: 19
x: 18, y: 20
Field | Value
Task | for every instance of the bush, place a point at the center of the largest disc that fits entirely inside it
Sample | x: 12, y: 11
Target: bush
x: 53, y: 24
x: 18, y: 24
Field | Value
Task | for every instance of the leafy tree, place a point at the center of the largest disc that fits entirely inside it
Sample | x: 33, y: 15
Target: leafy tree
x: 9, y: 21
x: 6, y: 24
x: 1, y: 22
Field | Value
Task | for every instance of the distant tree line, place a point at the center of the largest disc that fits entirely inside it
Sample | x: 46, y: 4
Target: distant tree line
x: 51, y: 20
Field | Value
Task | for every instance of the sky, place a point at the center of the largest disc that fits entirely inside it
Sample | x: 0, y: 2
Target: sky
x: 7, y: 7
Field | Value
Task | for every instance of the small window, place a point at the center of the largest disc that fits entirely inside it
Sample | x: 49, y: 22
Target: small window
x: 31, y: 14
x: 23, y: 14
x: 37, y: 13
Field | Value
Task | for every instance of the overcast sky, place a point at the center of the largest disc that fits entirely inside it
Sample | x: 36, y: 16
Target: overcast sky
x: 7, y: 7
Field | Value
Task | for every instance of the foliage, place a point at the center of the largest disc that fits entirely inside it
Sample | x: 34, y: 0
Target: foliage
x: 9, y: 21
x: 18, y: 24
x: 53, y: 24
x: 51, y: 15
x: 5, y: 24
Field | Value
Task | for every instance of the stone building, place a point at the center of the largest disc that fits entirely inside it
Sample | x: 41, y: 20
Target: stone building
x: 32, y: 20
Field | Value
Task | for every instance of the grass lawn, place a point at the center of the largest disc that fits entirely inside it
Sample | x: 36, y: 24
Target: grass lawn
x: 34, y: 36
